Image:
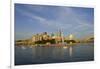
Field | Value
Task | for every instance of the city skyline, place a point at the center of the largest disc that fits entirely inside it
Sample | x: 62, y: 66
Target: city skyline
x: 32, y: 19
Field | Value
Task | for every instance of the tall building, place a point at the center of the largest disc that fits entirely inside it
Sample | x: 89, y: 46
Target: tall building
x: 71, y: 37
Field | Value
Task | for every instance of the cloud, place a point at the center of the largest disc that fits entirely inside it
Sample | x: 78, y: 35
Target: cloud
x: 66, y: 19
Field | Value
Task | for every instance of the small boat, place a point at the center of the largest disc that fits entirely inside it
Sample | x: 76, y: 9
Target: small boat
x: 65, y: 47
x: 23, y: 47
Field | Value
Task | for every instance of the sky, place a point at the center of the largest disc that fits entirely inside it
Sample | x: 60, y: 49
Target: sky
x: 32, y: 19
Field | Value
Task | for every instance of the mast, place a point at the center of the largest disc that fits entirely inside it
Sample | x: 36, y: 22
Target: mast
x: 62, y: 36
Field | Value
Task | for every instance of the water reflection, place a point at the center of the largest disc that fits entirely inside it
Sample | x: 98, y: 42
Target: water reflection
x: 39, y: 55
x: 70, y: 51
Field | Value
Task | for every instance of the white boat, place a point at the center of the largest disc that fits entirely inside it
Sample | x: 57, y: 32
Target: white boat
x: 23, y: 47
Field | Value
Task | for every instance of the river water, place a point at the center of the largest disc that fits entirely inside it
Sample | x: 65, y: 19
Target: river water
x: 39, y: 55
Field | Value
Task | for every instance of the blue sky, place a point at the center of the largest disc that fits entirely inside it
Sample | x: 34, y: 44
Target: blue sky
x: 32, y: 19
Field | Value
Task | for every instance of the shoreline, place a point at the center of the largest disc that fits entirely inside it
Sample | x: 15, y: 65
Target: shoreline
x: 52, y: 45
